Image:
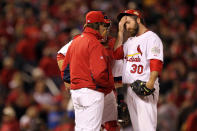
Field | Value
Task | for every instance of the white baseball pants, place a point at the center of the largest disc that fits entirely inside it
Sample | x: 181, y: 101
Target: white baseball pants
x: 142, y: 110
x: 88, y: 105
x: 110, y: 112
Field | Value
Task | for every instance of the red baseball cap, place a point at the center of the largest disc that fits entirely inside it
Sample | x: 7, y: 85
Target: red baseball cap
x: 129, y: 12
x: 96, y: 16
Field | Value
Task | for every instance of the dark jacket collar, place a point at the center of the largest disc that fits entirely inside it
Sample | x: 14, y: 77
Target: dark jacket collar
x: 92, y: 31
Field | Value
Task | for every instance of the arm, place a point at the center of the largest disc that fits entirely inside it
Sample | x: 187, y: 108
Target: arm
x: 65, y: 90
x: 152, y: 79
x: 65, y: 70
x: 155, y: 55
x: 60, y: 60
x: 155, y: 68
x: 119, y: 39
x: 118, y: 53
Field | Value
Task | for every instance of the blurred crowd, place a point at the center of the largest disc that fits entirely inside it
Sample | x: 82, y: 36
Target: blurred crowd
x: 32, y: 31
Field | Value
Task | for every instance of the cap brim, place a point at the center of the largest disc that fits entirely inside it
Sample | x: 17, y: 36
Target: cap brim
x: 119, y: 17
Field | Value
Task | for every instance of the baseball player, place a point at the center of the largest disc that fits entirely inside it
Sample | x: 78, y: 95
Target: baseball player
x: 143, y: 58
x: 109, y: 117
x: 91, y: 77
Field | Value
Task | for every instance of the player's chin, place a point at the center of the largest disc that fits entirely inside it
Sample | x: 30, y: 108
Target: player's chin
x: 132, y: 33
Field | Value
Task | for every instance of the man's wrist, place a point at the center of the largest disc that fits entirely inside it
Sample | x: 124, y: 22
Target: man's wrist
x: 120, y: 34
x: 150, y: 84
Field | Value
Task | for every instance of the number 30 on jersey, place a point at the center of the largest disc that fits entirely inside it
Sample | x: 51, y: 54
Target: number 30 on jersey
x: 136, y: 69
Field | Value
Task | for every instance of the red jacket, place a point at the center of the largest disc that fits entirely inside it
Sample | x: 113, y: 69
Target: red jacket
x: 89, y: 63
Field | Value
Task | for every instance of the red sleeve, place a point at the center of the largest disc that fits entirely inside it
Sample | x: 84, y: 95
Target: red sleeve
x: 156, y: 65
x: 118, y: 53
x: 60, y: 56
x: 111, y: 42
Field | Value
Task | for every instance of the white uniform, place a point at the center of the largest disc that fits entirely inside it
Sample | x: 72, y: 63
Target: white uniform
x: 117, y: 68
x: 64, y: 49
x: 110, y: 105
x: 137, y: 53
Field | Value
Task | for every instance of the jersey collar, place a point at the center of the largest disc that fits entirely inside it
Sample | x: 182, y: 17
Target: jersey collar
x: 143, y: 33
x: 92, y: 31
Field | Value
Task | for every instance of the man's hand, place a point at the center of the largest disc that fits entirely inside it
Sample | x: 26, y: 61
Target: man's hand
x: 150, y: 84
x: 122, y: 23
x: 140, y: 88
x: 119, y: 39
x: 66, y: 91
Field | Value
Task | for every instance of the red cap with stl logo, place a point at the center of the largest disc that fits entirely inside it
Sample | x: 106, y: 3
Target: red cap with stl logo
x: 96, y: 16
x: 129, y: 12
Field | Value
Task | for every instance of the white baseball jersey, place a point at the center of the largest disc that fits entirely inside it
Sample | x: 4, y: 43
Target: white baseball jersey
x: 137, y: 53
x: 64, y: 49
x: 117, y: 68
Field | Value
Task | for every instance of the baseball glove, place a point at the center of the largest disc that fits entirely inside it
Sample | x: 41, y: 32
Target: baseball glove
x: 139, y: 87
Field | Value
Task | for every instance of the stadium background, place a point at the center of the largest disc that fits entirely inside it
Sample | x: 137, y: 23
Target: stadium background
x: 32, y: 31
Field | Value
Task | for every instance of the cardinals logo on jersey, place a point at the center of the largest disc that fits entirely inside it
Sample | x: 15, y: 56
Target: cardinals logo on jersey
x: 133, y: 58
x: 139, y: 50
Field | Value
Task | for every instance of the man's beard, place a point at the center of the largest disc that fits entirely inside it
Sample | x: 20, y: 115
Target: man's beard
x: 133, y: 31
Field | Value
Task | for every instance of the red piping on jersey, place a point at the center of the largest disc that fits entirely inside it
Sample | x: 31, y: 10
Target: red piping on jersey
x: 156, y: 65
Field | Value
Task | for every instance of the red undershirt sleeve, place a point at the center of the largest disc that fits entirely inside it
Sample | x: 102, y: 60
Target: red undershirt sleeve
x: 119, y: 53
x: 156, y: 65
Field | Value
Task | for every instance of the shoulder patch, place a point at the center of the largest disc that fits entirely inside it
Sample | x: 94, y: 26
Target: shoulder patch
x: 155, y: 50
